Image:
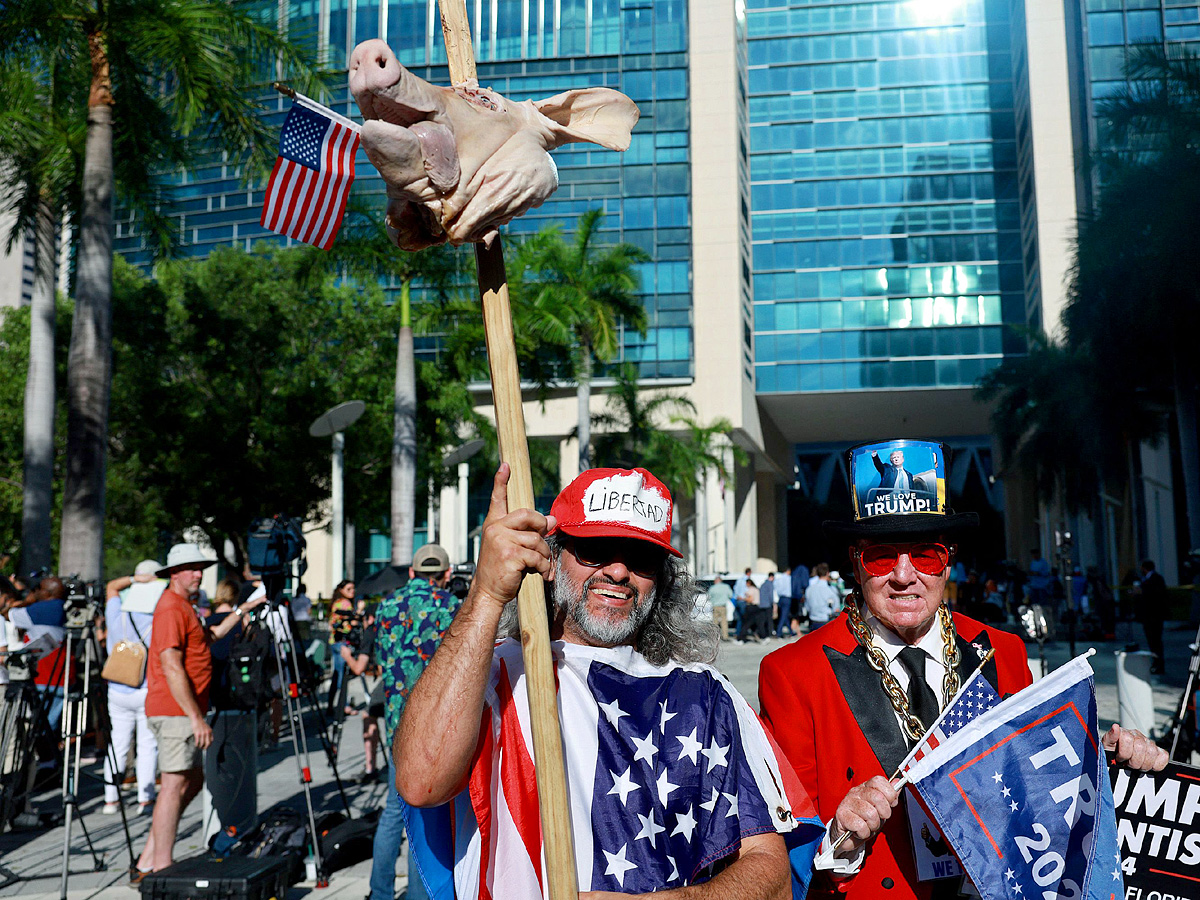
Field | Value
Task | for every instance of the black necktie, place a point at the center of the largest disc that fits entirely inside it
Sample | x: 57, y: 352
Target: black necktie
x: 922, y: 702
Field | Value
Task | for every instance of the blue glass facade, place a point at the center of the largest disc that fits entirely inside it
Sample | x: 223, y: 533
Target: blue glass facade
x: 1114, y: 28
x: 524, y: 49
x: 886, y: 221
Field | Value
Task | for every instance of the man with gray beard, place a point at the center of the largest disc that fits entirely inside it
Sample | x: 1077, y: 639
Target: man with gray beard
x: 673, y: 785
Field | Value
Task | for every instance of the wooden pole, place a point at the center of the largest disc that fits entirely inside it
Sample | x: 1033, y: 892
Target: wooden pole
x: 514, y: 449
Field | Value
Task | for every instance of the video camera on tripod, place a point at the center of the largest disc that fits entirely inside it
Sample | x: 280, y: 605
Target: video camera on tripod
x: 273, y: 543
x: 84, y: 602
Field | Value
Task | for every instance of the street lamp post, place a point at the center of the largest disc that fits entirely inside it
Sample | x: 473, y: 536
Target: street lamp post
x: 333, y: 423
x: 458, y: 457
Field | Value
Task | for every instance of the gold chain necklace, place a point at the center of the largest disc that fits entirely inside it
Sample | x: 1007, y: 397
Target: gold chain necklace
x: 910, y: 724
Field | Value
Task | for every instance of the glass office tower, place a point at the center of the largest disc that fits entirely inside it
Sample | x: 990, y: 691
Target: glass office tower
x: 524, y: 49
x: 886, y: 219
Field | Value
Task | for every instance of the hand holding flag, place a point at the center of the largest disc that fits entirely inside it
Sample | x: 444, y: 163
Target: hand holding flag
x: 872, y: 801
x: 1022, y: 796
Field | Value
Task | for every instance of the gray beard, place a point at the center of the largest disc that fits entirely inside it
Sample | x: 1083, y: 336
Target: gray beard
x: 610, y: 628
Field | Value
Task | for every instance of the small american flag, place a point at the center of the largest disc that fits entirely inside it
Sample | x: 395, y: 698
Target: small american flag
x: 306, y: 196
x: 972, y: 700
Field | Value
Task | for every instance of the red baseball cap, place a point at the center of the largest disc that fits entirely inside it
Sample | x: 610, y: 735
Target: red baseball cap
x: 628, y: 503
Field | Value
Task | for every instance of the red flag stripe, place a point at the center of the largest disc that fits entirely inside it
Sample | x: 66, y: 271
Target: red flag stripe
x: 311, y: 214
x: 317, y: 232
x: 518, y: 780
x: 335, y: 220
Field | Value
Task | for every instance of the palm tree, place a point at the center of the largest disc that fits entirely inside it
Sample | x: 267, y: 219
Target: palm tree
x: 577, y: 295
x: 38, y: 156
x: 364, y: 251
x: 659, y: 432
x: 161, y: 72
x: 1136, y: 293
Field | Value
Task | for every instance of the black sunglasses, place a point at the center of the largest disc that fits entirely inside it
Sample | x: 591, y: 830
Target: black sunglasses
x: 640, y: 557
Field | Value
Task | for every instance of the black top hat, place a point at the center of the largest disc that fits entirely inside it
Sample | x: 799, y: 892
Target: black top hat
x: 898, y: 489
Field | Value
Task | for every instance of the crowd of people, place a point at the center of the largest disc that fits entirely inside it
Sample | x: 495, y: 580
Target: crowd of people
x: 694, y: 790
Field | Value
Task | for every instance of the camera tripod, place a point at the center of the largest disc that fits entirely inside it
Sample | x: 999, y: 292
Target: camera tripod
x: 1183, y: 739
x: 24, y: 723
x: 294, y: 690
x: 77, y: 701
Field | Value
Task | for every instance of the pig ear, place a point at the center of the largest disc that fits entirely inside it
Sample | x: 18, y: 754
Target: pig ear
x: 600, y: 115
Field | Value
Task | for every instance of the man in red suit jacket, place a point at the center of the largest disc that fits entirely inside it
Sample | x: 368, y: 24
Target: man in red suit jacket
x: 847, y: 701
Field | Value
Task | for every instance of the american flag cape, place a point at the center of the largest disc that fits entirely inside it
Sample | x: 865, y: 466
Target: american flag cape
x: 1022, y: 796
x: 306, y: 196
x: 668, y: 769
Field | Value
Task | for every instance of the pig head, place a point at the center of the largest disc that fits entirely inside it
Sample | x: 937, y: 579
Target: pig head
x: 460, y: 162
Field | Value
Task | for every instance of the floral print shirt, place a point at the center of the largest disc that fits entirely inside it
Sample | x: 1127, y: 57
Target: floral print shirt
x: 410, y: 627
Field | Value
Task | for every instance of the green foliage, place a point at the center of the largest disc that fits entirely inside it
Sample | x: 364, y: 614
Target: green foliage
x: 183, y: 82
x: 658, y: 431
x: 14, y: 350
x: 576, y: 294
x: 220, y: 367
x: 1069, y: 410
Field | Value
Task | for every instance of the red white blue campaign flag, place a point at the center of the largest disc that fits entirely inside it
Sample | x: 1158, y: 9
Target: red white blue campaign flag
x: 306, y: 196
x: 669, y: 770
x: 1022, y: 796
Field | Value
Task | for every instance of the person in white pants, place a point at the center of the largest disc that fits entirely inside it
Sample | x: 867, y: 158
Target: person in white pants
x: 127, y: 705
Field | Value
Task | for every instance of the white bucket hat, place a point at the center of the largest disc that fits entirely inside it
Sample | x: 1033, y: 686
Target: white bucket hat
x: 185, y: 556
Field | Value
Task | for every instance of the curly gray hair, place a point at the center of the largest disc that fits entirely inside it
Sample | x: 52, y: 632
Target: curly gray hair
x: 669, y: 632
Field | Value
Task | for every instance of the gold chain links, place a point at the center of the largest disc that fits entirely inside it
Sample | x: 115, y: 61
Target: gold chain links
x: 912, y: 727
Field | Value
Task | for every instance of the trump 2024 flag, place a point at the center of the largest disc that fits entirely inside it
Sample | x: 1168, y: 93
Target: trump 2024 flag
x: 306, y: 196
x: 1022, y: 795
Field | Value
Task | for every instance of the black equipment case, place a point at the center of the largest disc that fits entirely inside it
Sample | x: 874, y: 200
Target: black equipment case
x: 231, y: 878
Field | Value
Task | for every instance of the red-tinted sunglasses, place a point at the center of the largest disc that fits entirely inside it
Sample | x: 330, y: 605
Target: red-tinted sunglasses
x: 927, y: 557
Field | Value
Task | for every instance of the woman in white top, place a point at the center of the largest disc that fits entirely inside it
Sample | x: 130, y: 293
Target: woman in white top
x: 127, y: 705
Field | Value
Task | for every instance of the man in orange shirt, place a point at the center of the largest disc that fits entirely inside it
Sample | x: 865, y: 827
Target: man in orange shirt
x: 179, y: 671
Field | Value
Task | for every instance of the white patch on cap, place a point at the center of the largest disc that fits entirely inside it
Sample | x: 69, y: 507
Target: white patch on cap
x: 625, y: 499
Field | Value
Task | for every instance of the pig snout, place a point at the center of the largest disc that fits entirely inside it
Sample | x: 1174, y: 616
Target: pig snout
x: 385, y: 90
x: 373, y: 68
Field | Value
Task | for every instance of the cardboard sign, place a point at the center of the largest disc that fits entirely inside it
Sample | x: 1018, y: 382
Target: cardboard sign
x: 1158, y: 831
x: 932, y: 854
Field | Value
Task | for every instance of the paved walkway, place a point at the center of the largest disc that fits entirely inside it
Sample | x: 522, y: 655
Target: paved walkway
x: 36, y: 856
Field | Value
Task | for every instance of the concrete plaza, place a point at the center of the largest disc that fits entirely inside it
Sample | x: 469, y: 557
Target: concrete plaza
x: 36, y: 855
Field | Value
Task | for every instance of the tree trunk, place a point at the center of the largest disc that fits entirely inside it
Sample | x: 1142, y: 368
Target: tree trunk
x: 404, y: 440
x: 39, y: 400
x: 1185, y: 422
x: 583, y: 392
x: 89, y: 365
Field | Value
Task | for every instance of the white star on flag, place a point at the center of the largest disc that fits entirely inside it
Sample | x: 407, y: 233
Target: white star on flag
x: 645, y: 749
x: 711, y: 804
x: 666, y: 717
x: 733, y: 806
x: 665, y: 787
x: 618, y: 864
x: 674, y: 869
x: 613, y: 712
x: 997, y: 778
x: 716, y: 755
x: 650, y: 828
x: 623, y: 785
x: 690, y: 746
x: 685, y: 824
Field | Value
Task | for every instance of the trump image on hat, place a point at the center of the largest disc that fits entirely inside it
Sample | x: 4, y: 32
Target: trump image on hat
x: 628, y: 503
x: 898, y: 488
